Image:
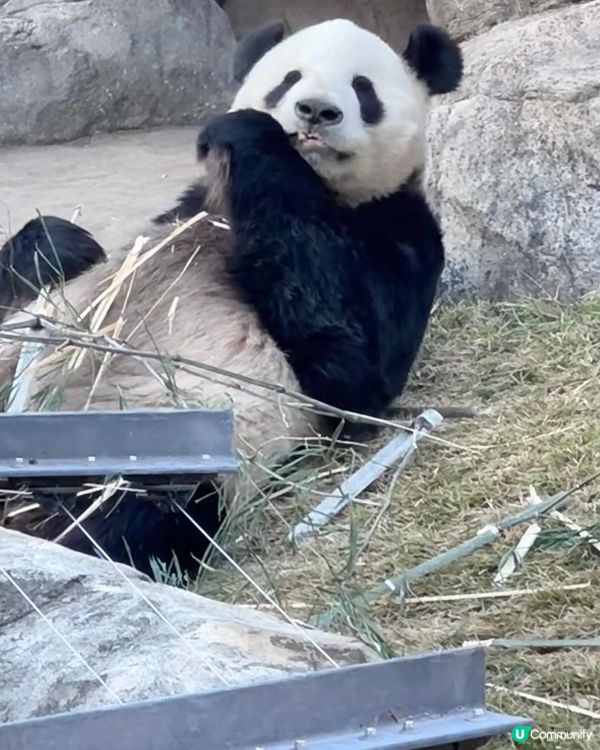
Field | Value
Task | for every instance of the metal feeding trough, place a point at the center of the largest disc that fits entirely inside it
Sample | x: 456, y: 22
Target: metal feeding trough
x: 54, y: 449
x: 431, y: 701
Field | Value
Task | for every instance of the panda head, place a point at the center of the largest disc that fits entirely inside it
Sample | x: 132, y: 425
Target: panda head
x: 354, y: 109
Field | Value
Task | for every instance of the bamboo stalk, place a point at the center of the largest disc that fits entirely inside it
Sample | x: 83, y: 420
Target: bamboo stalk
x: 545, y: 701
x: 487, y: 535
x: 516, y: 557
x: 29, y: 355
x: 540, y: 644
x: 83, y: 340
x: 401, y: 447
x: 449, y: 598
x: 582, y: 533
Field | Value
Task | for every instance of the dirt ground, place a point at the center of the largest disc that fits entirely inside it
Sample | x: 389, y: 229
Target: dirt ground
x: 120, y: 179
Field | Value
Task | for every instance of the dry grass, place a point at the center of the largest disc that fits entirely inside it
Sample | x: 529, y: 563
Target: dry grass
x: 532, y: 370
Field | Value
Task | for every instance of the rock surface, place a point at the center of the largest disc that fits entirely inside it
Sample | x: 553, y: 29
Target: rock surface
x: 71, y: 68
x: 391, y: 19
x: 127, y: 644
x: 465, y: 18
x: 514, y: 163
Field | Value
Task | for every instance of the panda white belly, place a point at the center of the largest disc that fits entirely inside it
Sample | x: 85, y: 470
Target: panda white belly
x: 179, y: 302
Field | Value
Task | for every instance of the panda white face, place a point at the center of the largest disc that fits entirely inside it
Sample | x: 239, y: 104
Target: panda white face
x: 353, y: 108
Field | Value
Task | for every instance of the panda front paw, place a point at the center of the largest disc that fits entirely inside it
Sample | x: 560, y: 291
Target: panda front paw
x: 244, y: 130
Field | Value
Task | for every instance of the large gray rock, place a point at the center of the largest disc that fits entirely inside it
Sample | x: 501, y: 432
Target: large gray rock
x: 465, y: 18
x: 128, y: 645
x: 71, y: 68
x: 514, y: 164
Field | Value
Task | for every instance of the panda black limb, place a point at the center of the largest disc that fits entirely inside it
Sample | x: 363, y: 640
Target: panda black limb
x: 345, y: 292
x: 45, y: 252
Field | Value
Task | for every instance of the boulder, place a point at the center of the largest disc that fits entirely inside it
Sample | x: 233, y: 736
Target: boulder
x: 104, y: 617
x: 391, y: 19
x: 466, y: 18
x: 514, y: 159
x: 71, y: 68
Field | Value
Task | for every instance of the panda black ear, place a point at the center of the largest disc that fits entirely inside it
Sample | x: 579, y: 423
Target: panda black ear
x: 435, y: 58
x: 253, y: 46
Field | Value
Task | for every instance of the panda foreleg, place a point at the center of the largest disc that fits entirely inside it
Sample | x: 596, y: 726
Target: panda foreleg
x: 45, y: 252
x: 297, y: 261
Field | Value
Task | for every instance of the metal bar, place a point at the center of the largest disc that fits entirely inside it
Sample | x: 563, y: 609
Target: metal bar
x: 97, y: 443
x: 430, y: 701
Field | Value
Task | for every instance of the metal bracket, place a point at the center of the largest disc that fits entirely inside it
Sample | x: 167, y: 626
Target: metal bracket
x: 68, y: 445
x: 430, y: 701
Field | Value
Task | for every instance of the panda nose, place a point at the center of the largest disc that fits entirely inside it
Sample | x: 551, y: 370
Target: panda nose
x: 318, y: 112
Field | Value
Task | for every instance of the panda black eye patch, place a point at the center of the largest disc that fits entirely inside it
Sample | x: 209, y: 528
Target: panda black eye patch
x: 274, y: 96
x: 371, y: 108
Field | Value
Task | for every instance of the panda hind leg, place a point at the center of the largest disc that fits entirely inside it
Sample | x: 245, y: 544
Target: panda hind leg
x: 44, y: 252
x: 133, y: 530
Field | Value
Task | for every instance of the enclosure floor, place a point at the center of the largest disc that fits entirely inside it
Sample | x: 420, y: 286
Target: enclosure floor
x: 121, y: 179
x: 530, y: 369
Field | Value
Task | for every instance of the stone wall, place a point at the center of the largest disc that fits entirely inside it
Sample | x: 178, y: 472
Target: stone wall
x: 72, y: 68
x: 465, y: 18
x: 514, y: 163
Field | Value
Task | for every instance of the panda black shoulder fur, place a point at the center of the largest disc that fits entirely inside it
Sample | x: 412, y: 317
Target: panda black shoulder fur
x: 324, y: 282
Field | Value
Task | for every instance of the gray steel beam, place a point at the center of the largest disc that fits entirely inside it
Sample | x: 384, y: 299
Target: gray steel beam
x: 170, y: 442
x: 430, y: 701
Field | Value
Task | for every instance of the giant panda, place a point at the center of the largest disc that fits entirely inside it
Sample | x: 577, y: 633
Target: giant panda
x: 321, y: 280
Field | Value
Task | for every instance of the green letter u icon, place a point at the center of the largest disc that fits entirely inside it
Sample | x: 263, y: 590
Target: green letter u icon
x: 520, y: 734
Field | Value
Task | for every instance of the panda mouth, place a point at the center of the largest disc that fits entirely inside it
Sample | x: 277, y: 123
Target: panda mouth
x: 303, y: 137
x: 309, y: 142
x: 312, y: 143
